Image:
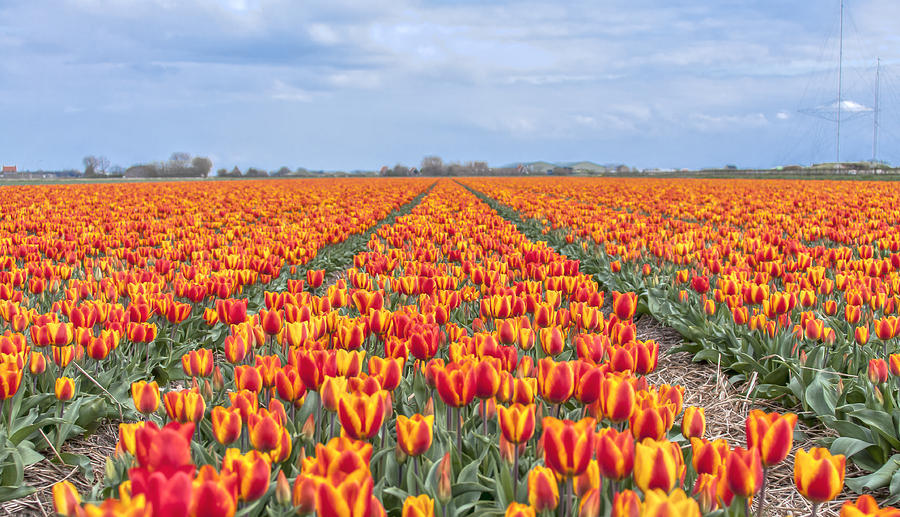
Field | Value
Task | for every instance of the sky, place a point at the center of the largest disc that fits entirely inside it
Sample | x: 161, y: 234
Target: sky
x: 344, y: 85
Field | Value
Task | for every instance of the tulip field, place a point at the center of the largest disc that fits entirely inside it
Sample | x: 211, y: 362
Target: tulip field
x: 421, y: 347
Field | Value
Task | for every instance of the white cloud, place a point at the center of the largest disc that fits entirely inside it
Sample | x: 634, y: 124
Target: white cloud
x: 707, y: 122
x: 853, y: 106
x: 782, y: 115
x: 284, y: 92
x: 324, y: 34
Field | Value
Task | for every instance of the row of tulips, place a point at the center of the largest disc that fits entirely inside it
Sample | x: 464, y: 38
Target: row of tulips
x: 803, y: 305
x: 457, y: 368
x: 101, y: 286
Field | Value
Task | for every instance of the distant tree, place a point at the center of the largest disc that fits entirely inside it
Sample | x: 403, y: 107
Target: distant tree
x: 222, y: 172
x: 400, y: 170
x: 433, y: 166
x: 478, y: 168
x: 179, y: 159
x: 235, y: 172
x: 201, y: 166
x: 253, y: 172
x: 95, y: 165
x: 284, y: 171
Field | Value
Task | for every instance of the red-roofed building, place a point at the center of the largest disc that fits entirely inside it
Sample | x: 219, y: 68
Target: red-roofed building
x: 8, y: 168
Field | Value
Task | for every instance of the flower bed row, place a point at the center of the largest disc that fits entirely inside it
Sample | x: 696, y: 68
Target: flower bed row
x: 792, y: 286
x: 104, y: 285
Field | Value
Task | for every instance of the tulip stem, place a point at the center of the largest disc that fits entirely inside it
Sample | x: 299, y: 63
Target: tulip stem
x: 762, y: 493
x: 318, y: 417
x: 459, y: 432
x: 815, y: 510
x: 515, y: 471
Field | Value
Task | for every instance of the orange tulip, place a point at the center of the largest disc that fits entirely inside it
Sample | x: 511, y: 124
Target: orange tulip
x: 556, y: 380
x: 516, y: 422
x: 315, y: 277
x: 414, y: 435
x: 184, y: 405
x: 198, y: 363
x: 145, y: 396
x: 38, y: 363
x: 247, y: 377
x: 894, y: 364
x: 818, y: 475
x: 878, y: 371
x: 568, y: 446
x: 866, y: 506
x: 361, y: 415
x: 626, y: 504
x: 265, y: 430
x: 553, y: 340
x: 651, y: 421
x: 64, y: 388
x: 231, y: 311
x: 693, y: 422
x: 771, y: 434
x: 455, y: 385
x: 615, y: 453
x: 519, y: 510
x: 226, y: 424
x: 66, y: 501
x: 658, y: 465
x: 706, y: 492
x: 420, y: 506
x: 886, y: 328
x: 486, y: 379
x: 624, y: 305
x: 543, y: 490
x: 659, y: 503
x: 743, y: 472
x: 236, y: 349
x: 213, y: 494
x: 861, y: 335
x: 708, y: 456
x: 617, y: 399
x: 253, y: 471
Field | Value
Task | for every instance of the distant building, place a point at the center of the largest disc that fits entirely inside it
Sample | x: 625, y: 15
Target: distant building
x: 9, y: 169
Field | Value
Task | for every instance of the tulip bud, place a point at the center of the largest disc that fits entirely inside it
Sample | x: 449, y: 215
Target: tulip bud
x: 309, y: 428
x: 429, y: 407
x: 400, y: 455
x: 207, y: 391
x: 218, y: 380
x: 444, y: 488
x: 282, y: 489
x: 110, y: 469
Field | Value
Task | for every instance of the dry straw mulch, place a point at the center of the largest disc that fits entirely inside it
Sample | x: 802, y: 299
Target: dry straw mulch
x: 44, y: 474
